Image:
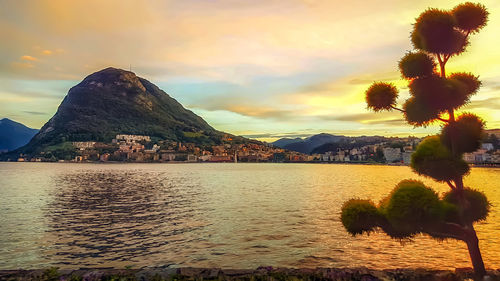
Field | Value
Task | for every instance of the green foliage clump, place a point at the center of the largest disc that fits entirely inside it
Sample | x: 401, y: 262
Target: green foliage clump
x: 410, y: 207
x: 51, y: 274
x: 470, y: 17
x: 435, y: 160
x: 465, y: 134
x: 64, y: 150
x: 359, y: 216
x: 477, y: 205
x: 417, y: 113
x: 416, y: 64
x: 440, y: 94
x: 434, y: 32
x: 381, y: 96
x: 430, y: 90
x: 193, y: 134
x: 470, y: 82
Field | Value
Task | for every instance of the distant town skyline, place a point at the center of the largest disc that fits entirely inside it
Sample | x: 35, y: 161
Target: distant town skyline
x: 262, y: 69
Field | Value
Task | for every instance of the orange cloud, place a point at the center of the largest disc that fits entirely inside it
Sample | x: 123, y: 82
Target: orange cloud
x: 29, y: 58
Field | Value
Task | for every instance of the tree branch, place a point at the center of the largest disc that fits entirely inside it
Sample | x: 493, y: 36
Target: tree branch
x: 439, y: 59
x: 459, y: 182
x: 451, y: 113
x: 445, y: 235
x: 398, y: 109
x: 447, y: 57
x: 449, y: 230
x: 441, y: 65
x: 450, y: 185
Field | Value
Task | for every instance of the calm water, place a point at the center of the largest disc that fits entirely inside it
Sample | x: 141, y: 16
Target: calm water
x: 212, y: 215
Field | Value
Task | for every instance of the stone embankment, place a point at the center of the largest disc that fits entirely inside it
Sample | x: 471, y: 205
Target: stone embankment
x: 261, y: 273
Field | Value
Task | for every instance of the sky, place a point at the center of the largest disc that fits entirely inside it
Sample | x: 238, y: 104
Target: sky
x: 263, y: 69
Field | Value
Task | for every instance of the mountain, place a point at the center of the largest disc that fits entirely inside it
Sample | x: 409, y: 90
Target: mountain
x: 285, y: 141
x: 356, y: 142
x: 114, y: 101
x: 307, y: 145
x: 323, y: 142
x: 14, y: 134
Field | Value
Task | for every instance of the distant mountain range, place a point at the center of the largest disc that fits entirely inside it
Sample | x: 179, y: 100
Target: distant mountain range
x: 324, y: 142
x: 307, y: 145
x: 14, y: 134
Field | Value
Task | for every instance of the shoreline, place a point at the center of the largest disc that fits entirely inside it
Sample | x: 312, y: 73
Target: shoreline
x: 184, y: 162
x: 261, y: 273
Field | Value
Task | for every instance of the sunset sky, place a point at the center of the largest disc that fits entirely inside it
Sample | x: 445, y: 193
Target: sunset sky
x: 263, y: 69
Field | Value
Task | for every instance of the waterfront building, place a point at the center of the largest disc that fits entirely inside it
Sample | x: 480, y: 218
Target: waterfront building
x: 192, y: 158
x: 168, y: 156
x: 487, y: 146
x: 392, y: 154
x: 407, y: 157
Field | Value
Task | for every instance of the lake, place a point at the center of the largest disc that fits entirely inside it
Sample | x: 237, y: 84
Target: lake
x: 214, y: 215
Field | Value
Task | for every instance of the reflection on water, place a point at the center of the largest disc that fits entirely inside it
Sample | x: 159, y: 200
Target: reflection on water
x: 223, y: 215
x: 124, y: 216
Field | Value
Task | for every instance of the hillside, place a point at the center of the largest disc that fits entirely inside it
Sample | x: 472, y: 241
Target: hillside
x: 114, y: 101
x: 323, y: 142
x: 14, y: 134
x: 306, y: 145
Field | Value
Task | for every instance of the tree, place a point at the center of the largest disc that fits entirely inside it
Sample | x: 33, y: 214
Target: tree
x: 413, y: 208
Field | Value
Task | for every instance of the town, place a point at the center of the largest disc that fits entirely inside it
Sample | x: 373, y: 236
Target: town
x: 139, y: 148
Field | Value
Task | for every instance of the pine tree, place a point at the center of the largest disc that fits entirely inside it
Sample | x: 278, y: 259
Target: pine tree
x: 412, y: 207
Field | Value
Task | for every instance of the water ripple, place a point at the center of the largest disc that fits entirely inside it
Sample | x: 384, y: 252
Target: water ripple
x: 224, y: 215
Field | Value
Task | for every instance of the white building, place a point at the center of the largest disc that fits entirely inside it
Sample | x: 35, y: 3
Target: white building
x: 487, y: 146
x: 154, y: 149
x: 82, y: 145
x: 168, y: 156
x: 392, y: 154
x: 325, y: 157
x: 407, y: 157
x: 132, y: 138
x: 495, y: 158
x: 205, y: 157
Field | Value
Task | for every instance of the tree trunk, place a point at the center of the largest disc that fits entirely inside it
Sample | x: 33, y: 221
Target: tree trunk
x: 475, y: 254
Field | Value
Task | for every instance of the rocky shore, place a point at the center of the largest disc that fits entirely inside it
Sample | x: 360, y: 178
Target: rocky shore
x: 261, y: 273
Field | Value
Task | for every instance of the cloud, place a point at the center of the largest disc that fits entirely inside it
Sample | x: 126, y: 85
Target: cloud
x: 489, y: 103
x: 385, y: 118
x: 261, y: 111
x: 35, y: 113
x: 246, y: 108
x: 292, y: 135
x: 281, y: 65
x: 28, y: 58
x: 380, y: 77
